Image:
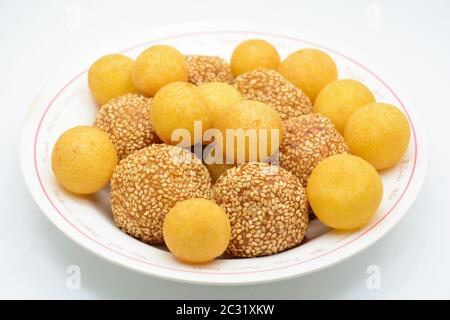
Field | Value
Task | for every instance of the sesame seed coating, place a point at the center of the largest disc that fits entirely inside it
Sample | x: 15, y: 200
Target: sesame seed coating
x: 149, y: 182
x: 126, y: 122
x: 308, y: 140
x: 267, y: 208
x: 202, y: 69
x: 272, y: 88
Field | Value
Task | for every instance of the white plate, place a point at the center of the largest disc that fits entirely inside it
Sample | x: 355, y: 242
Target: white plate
x: 66, y: 102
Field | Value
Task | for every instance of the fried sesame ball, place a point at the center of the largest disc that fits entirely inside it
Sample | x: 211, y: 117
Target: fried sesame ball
x: 217, y: 169
x: 270, y: 87
x: 110, y: 77
x: 344, y: 191
x: 340, y: 98
x: 149, y: 182
x: 253, y: 54
x: 158, y: 66
x: 204, y: 69
x: 196, y: 230
x: 308, y: 140
x: 310, y: 70
x: 177, y: 106
x: 126, y: 121
x: 250, y: 131
x: 219, y: 97
x: 267, y: 207
x: 378, y: 133
x: 83, y: 159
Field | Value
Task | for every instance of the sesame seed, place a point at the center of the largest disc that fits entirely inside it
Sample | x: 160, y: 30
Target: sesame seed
x: 127, y: 123
x: 141, y: 198
x: 308, y: 140
x: 272, y: 88
x: 202, y: 69
x: 268, y: 209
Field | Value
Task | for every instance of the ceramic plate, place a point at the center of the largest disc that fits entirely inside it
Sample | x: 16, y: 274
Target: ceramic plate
x: 66, y: 102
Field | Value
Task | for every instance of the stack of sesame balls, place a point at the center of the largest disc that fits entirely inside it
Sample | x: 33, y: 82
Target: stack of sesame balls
x: 329, y: 135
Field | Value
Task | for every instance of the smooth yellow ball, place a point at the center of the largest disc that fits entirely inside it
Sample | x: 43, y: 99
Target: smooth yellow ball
x: 219, y: 97
x: 254, y: 130
x: 310, y: 70
x: 83, y: 159
x: 344, y: 191
x: 253, y: 54
x: 196, y: 230
x: 177, y: 106
x: 340, y: 98
x: 110, y: 77
x: 378, y: 133
x: 158, y: 66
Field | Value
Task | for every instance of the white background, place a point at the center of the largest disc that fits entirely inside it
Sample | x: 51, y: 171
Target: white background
x: 405, y: 42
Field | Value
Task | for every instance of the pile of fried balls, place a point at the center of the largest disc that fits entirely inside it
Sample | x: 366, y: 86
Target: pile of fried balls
x: 330, y: 136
